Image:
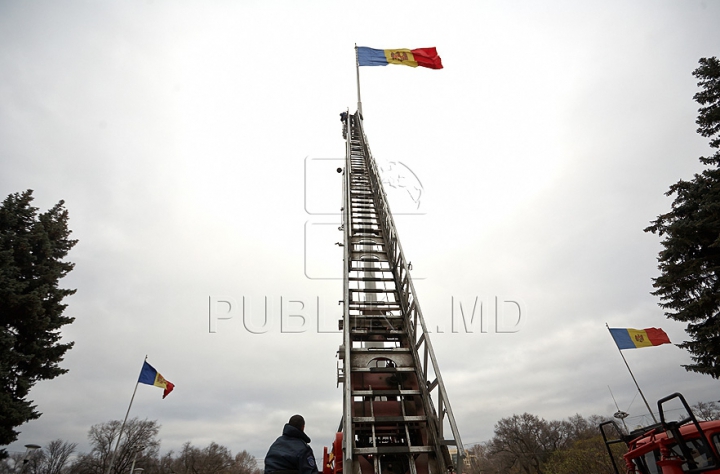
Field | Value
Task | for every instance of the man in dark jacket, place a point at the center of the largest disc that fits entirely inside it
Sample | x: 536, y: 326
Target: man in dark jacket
x: 290, y: 453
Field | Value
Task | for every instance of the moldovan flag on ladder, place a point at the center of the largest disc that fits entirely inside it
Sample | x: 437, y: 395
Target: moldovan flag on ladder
x: 627, y: 338
x: 150, y: 376
x: 425, y: 57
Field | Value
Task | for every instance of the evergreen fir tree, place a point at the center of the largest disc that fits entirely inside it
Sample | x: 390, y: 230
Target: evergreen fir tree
x: 32, y: 249
x: 689, y: 284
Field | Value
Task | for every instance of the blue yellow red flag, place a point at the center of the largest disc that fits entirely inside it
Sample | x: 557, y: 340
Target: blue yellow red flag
x: 424, y: 57
x: 150, y: 376
x: 628, y: 338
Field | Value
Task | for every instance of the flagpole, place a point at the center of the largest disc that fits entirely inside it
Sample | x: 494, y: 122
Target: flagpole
x: 122, y: 427
x: 357, y: 73
x: 633, y: 377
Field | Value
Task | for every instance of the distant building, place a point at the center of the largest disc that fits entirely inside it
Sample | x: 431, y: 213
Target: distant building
x: 467, y: 462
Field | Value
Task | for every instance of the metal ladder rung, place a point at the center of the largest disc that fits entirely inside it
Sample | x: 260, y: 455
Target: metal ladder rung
x: 370, y: 279
x: 372, y: 290
x: 385, y: 370
x: 388, y: 419
x: 378, y: 350
x: 394, y: 450
x: 379, y: 393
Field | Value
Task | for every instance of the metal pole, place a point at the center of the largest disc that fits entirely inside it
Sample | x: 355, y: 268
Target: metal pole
x: 357, y: 73
x: 132, y: 468
x: 633, y: 377
x: 348, y: 435
x: 122, y: 427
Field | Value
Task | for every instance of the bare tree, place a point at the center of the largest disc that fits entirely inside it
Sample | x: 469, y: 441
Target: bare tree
x: 10, y: 464
x: 527, y: 444
x: 54, y: 458
x: 139, y: 442
x: 584, y: 455
x: 213, y: 459
x: 482, y: 459
x: 524, y: 442
x: 706, y: 411
x: 245, y: 463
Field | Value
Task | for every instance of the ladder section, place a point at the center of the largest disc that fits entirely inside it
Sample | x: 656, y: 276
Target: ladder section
x: 390, y: 421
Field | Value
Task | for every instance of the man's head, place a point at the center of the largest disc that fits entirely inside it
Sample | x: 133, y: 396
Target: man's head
x: 298, y: 422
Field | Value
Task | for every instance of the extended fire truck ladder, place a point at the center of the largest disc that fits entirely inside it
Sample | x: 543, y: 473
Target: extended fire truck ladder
x: 395, y: 403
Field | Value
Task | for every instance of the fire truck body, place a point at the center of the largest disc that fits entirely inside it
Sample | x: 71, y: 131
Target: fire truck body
x: 645, y: 453
x: 670, y: 447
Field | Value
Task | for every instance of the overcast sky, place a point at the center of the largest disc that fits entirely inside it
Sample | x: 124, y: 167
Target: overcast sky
x: 195, y: 146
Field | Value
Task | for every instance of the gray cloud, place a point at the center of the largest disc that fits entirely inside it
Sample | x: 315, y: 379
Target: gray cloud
x: 177, y: 135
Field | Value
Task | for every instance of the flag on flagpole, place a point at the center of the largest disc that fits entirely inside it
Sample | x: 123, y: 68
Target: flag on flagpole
x: 425, y: 57
x: 150, y: 376
x: 628, y: 338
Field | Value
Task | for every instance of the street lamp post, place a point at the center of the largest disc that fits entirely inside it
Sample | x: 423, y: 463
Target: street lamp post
x: 132, y: 468
x: 29, y: 448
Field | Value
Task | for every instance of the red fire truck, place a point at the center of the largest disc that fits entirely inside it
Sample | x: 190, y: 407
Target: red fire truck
x: 668, y: 447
